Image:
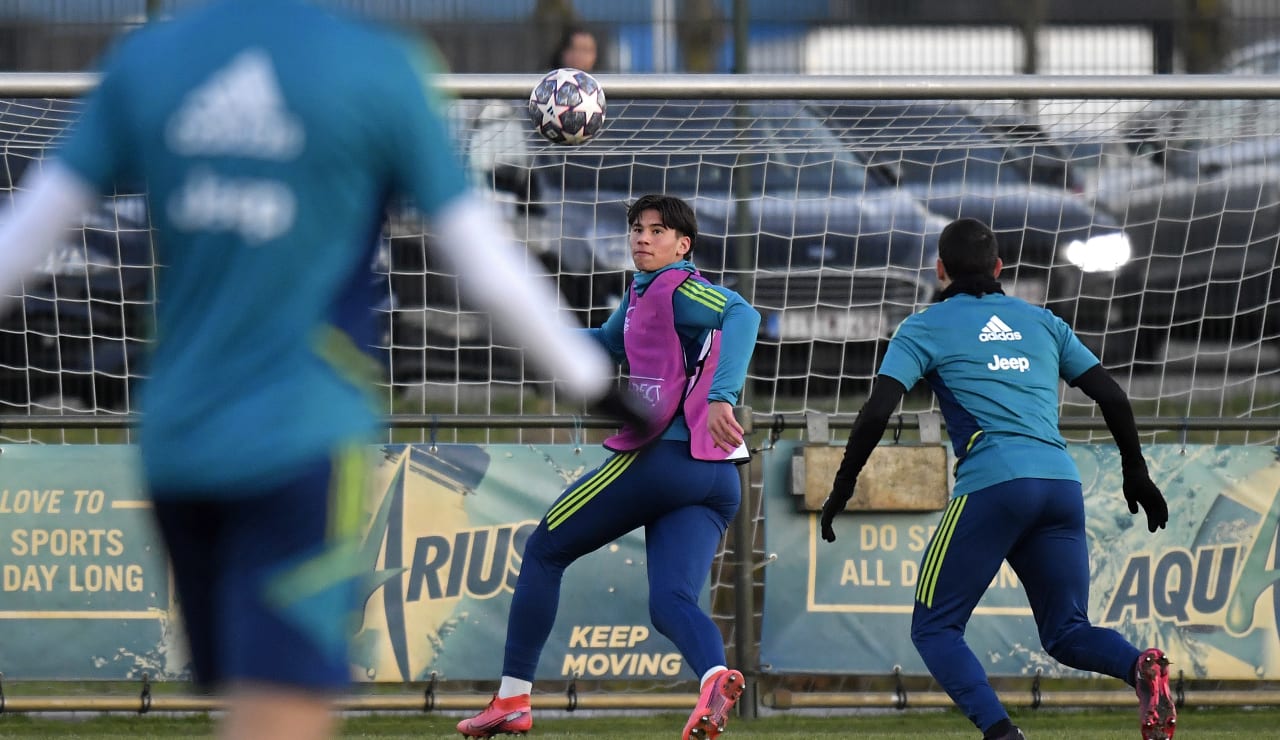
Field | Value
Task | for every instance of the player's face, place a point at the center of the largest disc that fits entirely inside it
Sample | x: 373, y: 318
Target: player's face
x: 654, y: 245
x: 581, y: 52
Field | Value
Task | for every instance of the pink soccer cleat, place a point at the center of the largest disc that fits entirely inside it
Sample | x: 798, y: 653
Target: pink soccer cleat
x: 1157, y: 715
x: 719, y: 695
x: 511, y: 716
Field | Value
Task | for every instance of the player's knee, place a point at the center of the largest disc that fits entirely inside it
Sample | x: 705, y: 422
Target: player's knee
x: 667, y: 608
x: 543, y: 548
x: 925, y: 632
x: 536, y: 544
x: 919, y: 636
x: 1060, y: 642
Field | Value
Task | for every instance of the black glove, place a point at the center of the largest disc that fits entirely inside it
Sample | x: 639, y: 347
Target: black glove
x: 1139, y: 490
x: 834, y: 504
x: 625, y: 407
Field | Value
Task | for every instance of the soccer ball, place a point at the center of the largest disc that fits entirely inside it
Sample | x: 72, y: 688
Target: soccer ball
x: 567, y: 107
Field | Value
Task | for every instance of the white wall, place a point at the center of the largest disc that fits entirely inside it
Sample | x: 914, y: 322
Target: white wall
x: 977, y: 50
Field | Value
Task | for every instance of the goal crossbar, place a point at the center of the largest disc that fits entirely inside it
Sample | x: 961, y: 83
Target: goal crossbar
x: 783, y: 87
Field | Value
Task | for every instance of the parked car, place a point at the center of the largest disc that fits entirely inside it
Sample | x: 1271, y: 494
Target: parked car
x: 1157, y: 122
x: 77, y: 337
x: 1207, y: 228
x: 813, y: 238
x: 1259, y: 58
x: 1059, y: 251
x: 431, y: 332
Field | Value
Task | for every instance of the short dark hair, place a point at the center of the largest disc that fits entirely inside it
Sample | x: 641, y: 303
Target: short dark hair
x: 674, y: 212
x: 967, y: 247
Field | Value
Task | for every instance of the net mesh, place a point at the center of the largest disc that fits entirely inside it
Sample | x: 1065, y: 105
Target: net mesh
x: 74, y: 342
x: 1150, y: 226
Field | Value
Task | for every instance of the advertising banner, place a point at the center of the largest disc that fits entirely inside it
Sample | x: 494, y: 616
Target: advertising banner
x: 87, y: 592
x: 1203, y: 589
x: 453, y: 522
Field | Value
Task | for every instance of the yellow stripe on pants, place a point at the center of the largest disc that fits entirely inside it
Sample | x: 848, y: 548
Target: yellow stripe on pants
x: 937, y: 553
x: 347, y: 484
x: 589, y: 488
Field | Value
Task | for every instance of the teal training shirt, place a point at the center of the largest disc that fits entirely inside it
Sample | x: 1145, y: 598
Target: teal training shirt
x: 270, y: 135
x: 994, y: 364
x: 695, y: 316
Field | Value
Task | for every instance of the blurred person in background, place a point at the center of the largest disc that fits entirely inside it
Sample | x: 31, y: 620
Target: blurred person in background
x: 577, y: 48
x: 498, y: 153
x: 270, y: 136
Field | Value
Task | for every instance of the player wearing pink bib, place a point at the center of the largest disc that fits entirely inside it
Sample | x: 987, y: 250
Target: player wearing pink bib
x: 688, y: 344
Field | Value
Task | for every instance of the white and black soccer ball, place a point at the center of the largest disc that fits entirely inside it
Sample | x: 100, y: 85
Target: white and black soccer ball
x: 567, y: 107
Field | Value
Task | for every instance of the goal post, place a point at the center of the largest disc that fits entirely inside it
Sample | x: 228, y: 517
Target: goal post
x: 1144, y: 210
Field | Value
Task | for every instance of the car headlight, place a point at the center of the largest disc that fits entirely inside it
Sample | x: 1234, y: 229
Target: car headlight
x: 1102, y: 253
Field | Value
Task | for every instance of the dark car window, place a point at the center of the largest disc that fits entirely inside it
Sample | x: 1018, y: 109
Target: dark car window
x: 926, y: 143
x: 925, y: 166
x: 781, y: 150
x: 1217, y: 122
x: 710, y: 174
x: 674, y: 173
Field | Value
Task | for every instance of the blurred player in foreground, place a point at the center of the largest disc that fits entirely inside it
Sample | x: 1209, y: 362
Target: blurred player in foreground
x: 994, y: 363
x: 688, y: 344
x: 270, y: 136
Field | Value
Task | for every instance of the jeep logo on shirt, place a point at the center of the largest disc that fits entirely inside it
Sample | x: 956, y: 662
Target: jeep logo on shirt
x: 1021, y: 364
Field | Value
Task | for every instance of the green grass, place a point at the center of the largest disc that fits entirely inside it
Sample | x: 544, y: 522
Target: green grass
x: 1233, y: 406
x: 1202, y: 724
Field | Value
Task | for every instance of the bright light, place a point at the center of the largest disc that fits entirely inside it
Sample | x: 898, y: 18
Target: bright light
x: 1103, y: 253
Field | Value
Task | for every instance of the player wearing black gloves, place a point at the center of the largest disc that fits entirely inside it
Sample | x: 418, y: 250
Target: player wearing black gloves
x: 994, y: 363
x: 1139, y: 489
x: 624, y: 407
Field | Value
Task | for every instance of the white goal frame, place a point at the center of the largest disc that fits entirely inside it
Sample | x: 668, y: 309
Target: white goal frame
x: 622, y: 87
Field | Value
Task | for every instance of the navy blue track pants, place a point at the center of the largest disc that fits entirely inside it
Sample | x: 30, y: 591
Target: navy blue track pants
x: 1038, y: 526
x: 684, y: 505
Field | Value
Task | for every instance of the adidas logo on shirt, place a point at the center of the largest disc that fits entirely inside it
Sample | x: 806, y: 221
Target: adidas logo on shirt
x: 998, y: 331
x: 238, y: 112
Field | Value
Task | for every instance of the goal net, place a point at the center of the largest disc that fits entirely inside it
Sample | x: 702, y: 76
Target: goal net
x: 1150, y: 226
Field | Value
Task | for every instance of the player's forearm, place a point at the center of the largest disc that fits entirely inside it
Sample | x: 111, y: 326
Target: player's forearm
x: 602, y: 337
x: 867, y: 430
x: 609, y: 335
x: 51, y: 200
x: 523, y: 306
x: 1116, y: 410
x: 737, y: 342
